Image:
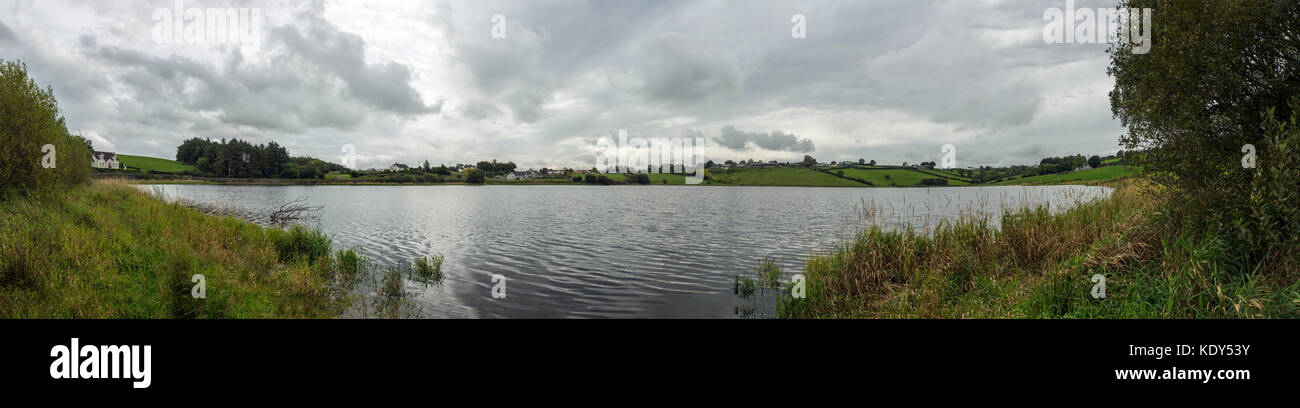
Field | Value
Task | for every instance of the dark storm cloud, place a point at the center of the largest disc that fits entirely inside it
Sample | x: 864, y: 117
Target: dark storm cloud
x: 737, y: 140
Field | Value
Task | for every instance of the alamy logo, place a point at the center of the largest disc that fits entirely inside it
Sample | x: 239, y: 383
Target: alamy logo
x: 47, y: 161
x: 207, y: 26
x: 349, y: 157
x: 102, y: 362
x: 1096, y: 26
x: 949, y: 159
x: 655, y: 155
x: 1099, y: 289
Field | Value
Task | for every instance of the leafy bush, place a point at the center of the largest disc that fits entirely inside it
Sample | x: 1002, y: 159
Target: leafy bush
x: 1272, y: 225
x: 30, y: 120
x: 475, y: 176
x: 1196, y: 98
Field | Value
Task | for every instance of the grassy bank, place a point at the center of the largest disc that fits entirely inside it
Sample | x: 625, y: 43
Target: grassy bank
x: 1083, y: 176
x: 1041, y: 265
x: 892, y: 177
x: 781, y: 176
x: 154, y: 164
x: 108, y: 250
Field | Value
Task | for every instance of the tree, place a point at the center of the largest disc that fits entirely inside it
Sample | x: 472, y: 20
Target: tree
x: 1094, y: 161
x: 30, y: 120
x: 873, y: 163
x: 1199, y: 95
x: 809, y: 161
x: 475, y: 176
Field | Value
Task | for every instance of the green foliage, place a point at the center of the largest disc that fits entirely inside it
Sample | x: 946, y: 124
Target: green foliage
x: 108, y: 250
x: 30, y: 120
x: 1106, y: 173
x: 493, y: 168
x: 1198, y: 97
x: 1272, y: 226
x: 809, y: 161
x: 769, y: 273
x: 428, y: 269
x: 475, y: 176
x: 300, y: 244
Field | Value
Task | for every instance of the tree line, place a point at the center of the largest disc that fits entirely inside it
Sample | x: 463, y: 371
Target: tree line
x: 236, y: 158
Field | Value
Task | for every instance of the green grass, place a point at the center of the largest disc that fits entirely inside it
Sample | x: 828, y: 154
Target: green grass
x: 896, y: 177
x: 1040, y: 265
x: 1092, y: 175
x: 655, y: 178
x: 154, y: 164
x: 782, y: 176
x: 108, y: 250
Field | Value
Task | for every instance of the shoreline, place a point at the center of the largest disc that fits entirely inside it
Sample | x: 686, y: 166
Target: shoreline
x: 309, y: 183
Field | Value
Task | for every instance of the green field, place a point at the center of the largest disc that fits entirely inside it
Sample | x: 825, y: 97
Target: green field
x: 782, y: 176
x: 154, y: 164
x: 897, y: 177
x: 1101, y: 174
x: 655, y: 178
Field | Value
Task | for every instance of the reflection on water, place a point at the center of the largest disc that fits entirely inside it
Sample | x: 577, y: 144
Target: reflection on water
x: 608, y: 251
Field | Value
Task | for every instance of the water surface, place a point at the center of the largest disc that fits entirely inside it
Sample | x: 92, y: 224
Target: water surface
x: 608, y: 251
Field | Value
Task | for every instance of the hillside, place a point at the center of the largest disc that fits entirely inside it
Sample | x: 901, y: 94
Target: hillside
x: 782, y: 176
x: 1100, y: 174
x: 900, y: 177
x: 154, y: 164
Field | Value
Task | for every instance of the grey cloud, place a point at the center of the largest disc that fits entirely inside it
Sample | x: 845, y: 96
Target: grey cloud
x: 683, y: 70
x: 385, y: 86
x: 5, y: 33
x: 737, y: 140
x: 898, y: 76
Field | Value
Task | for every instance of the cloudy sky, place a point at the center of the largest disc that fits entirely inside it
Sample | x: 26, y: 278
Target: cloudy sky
x: 407, y: 81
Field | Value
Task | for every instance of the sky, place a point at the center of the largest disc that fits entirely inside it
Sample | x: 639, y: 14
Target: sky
x: 449, y: 82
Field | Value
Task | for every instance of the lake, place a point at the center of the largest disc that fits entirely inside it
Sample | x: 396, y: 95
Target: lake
x: 608, y: 251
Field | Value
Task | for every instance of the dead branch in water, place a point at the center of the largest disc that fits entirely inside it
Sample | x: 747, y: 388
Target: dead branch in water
x: 294, y: 211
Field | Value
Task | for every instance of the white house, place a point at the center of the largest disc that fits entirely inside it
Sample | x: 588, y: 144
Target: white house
x: 105, y: 160
x: 398, y: 167
x: 522, y: 175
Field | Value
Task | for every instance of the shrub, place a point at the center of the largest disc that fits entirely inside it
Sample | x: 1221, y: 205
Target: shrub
x: 475, y: 176
x: 1272, y: 224
x: 30, y: 120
